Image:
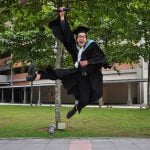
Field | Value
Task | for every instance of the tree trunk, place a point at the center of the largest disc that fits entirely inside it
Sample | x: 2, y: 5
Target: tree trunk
x: 58, y: 86
x: 148, y: 86
x: 31, y: 94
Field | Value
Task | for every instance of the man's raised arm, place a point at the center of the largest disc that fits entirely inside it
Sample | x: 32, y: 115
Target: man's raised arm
x: 61, y: 29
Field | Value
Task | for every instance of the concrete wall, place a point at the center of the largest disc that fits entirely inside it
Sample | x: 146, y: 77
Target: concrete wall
x: 118, y: 93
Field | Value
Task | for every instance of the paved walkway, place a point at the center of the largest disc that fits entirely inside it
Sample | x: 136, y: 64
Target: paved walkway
x: 76, y: 144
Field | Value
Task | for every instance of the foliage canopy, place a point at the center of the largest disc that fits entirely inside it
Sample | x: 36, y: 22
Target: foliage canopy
x: 120, y: 27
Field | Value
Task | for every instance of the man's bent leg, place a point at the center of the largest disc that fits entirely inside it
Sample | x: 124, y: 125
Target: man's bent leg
x: 71, y: 112
x: 48, y: 73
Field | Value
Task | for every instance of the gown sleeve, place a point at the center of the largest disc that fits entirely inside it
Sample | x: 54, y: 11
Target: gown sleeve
x: 97, y: 57
x: 62, y: 31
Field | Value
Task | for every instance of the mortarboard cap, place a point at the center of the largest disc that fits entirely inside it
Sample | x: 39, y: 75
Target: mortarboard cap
x: 81, y: 29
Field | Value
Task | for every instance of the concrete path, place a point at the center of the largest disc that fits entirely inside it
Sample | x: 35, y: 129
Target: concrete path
x: 76, y: 144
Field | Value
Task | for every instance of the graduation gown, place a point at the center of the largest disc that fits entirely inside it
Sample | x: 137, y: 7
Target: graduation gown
x: 85, y: 88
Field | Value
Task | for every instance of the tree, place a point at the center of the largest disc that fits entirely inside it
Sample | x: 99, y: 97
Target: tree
x: 118, y: 26
x: 26, y: 36
x: 122, y: 28
x: 29, y: 37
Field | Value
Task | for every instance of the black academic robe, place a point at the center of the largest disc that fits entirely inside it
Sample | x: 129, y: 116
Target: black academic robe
x: 85, y: 88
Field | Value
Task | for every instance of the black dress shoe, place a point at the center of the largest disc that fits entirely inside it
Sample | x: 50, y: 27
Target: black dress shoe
x: 31, y: 73
x: 71, y: 112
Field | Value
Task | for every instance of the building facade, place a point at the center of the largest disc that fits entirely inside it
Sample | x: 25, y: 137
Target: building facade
x: 128, y: 87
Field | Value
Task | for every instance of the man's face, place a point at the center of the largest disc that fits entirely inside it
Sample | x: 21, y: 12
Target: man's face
x: 81, y: 39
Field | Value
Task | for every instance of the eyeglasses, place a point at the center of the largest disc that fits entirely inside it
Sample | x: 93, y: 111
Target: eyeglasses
x: 81, y: 36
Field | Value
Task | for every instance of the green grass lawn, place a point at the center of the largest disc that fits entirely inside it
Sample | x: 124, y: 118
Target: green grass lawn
x: 27, y: 121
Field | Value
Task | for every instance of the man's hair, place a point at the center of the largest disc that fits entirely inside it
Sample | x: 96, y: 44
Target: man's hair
x: 76, y: 36
x: 29, y: 61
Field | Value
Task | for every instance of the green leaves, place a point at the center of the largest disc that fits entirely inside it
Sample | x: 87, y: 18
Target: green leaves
x: 110, y: 21
x: 116, y: 21
x: 30, y: 37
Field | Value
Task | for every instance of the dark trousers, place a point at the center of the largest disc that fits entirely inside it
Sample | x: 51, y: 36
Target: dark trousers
x: 84, y: 91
